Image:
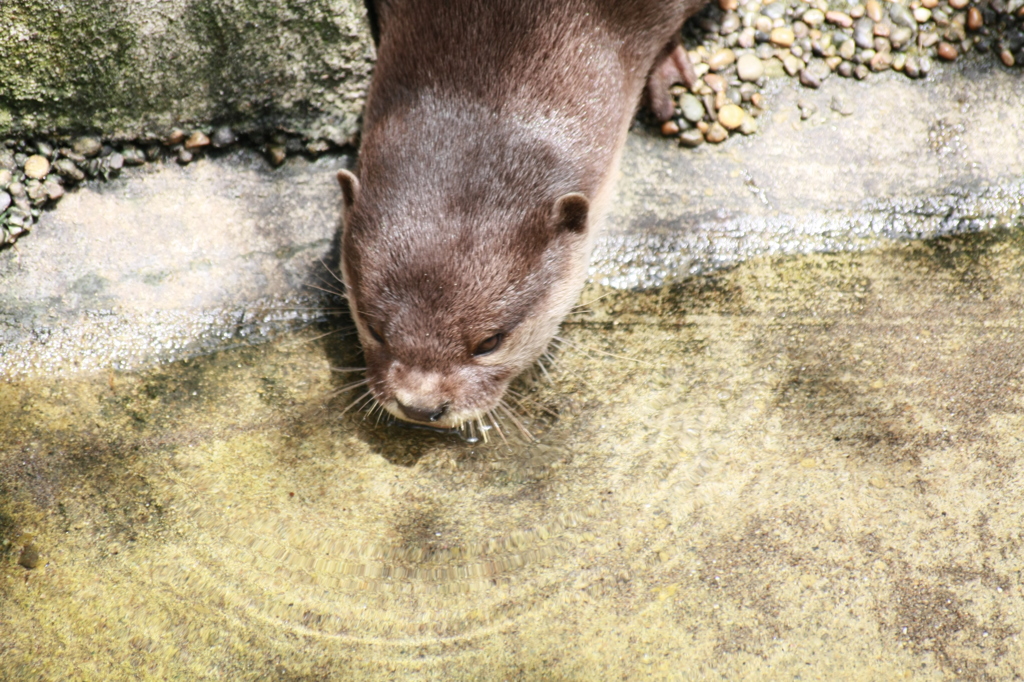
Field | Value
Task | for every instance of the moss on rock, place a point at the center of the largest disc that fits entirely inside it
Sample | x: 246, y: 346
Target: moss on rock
x: 140, y: 68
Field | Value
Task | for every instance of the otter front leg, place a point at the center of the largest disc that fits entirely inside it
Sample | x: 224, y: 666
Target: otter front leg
x: 672, y: 66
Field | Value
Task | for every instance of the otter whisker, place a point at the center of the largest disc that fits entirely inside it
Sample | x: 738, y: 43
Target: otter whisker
x: 350, y: 386
x: 360, y: 399
x: 497, y: 426
x: 585, y: 307
x: 342, y: 370
x: 515, y: 420
x: 519, y: 399
x: 586, y: 349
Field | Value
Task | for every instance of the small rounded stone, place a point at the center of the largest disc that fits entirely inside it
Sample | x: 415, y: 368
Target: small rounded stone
x: 67, y: 168
x: 813, y: 17
x: 277, y: 154
x: 958, y: 4
x: 749, y: 68
x: 717, y: 133
x: 730, y: 24
x: 715, y: 82
x: 87, y: 146
x: 901, y: 16
x: 839, y: 19
x: 177, y: 136
x: 729, y: 5
x: 874, y: 10
x: 946, y: 51
x: 54, y: 190
x: 922, y: 15
x: 721, y: 59
x: 5, y: 201
x: 848, y: 49
x: 749, y: 125
x: 184, y: 157
x: 196, y: 140
x: 731, y: 116
x: 783, y: 37
x: 6, y: 178
x: 223, y: 137
x: 974, y: 19
x: 691, y: 138
x: 669, y: 128
x: 37, y: 167
x: 693, y: 109
x: 1006, y: 57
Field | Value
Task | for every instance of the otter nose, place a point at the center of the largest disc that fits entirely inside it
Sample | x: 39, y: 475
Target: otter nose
x: 423, y: 414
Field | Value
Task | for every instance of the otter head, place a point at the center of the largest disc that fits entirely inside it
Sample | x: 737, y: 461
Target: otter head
x: 453, y: 299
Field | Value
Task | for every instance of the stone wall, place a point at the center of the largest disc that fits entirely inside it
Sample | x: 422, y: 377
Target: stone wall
x: 138, y: 68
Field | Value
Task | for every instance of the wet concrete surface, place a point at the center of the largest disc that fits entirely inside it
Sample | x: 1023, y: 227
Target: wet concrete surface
x: 802, y: 461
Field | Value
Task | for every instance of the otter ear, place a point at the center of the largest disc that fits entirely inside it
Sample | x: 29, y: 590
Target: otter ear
x: 570, y: 213
x: 349, y: 188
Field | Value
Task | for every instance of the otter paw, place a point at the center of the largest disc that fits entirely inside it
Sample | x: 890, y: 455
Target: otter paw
x: 673, y: 66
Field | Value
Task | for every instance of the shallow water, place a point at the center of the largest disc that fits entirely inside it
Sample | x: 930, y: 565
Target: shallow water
x: 803, y: 466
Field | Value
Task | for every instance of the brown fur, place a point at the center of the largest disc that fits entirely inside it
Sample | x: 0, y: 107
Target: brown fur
x: 491, y: 138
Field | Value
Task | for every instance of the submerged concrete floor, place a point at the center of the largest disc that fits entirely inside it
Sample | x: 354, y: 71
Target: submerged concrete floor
x: 804, y: 465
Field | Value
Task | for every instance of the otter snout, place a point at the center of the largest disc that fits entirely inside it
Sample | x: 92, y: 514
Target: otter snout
x: 421, y: 414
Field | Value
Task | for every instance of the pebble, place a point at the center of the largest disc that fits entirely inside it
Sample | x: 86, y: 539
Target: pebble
x: 864, y: 33
x: 793, y: 65
x: 17, y: 191
x: 974, y: 19
x: 29, y: 557
x: 716, y: 133
x: 177, y: 136
x: 860, y: 72
x: 1006, y: 57
x: 6, y: 178
x: 730, y: 24
x: 958, y: 4
x: 813, y: 17
x: 691, y: 138
x: 900, y: 37
x: 715, y: 82
x: 731, y: 116
x: 721, y: 59
x: 669, y: 128
x: 7, y: 159
x: 54, y: 190
x: 44, y: 148
x: 857, y: 11
x: 800, y: 29
x: 133, y: 156
x: 839, y: 19
x: 196, y: 140
x: 728, y: 5
x: 67, y: 168
x: 783, y: 37
x: 873, y: 10
x: 5, y: 201
x: 693, y: 109
x: 881, y: 61
x: 749, y: 125
x: 809, y: 79
x: 847, y: 50
x: 901, y: 16
x: 749, y: 68
x: 115, y: 161
x: 899, y: 61
x: 775, y: 10
x: 927, y: 39
x: 922, y: 15
x: 747, y: 38
x: 947, y: 51
x: 276, y: 153
x: 845, y: 69
x: 223, y: 137
x: 87, y: 146
x: 184, y: 157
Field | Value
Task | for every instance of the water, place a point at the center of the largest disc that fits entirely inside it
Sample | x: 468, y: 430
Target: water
x: 802, y: 464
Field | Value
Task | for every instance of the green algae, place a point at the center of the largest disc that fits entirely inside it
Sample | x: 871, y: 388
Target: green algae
x: 138, y: 70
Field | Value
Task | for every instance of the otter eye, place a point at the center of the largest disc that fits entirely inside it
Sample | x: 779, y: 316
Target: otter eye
x: 488, y: 345
x: 376, y: 335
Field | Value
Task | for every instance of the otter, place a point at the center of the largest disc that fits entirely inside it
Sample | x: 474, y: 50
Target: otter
x: 491, y: 138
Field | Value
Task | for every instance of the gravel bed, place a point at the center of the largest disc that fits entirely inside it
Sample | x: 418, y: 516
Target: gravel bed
x: 734, y: 48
